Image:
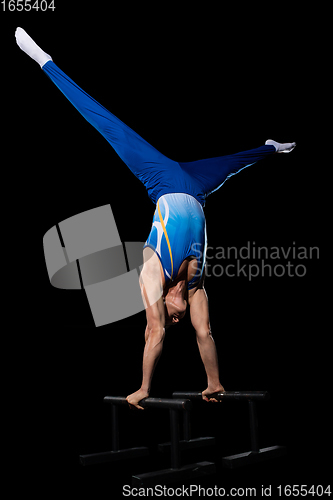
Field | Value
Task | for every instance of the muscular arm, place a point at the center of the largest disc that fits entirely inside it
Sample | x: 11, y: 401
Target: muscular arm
x: 154, y: 337
x: 151, y: 287
x: 200, y: 320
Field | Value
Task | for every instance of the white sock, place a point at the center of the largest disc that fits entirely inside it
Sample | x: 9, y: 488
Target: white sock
x: 26, y: 43
x: 281, y: 148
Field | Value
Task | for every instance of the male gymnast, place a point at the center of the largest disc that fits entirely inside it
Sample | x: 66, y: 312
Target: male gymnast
x: 174, y: 253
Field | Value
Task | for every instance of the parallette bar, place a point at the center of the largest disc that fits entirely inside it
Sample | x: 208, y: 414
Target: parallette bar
x: 235, y: 395
x: 170, y: 404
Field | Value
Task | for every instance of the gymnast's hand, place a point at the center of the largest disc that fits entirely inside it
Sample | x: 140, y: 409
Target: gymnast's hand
x: 208, y: 394
x: 135, y: 398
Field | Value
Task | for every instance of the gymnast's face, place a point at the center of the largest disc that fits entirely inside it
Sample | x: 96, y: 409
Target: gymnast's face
x: 174, y: 311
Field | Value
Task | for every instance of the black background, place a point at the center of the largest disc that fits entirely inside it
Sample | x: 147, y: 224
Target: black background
x: 195, y: 82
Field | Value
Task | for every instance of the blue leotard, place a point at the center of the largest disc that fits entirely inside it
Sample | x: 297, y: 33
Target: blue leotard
x: 184, y: 229
x: 178, y: 232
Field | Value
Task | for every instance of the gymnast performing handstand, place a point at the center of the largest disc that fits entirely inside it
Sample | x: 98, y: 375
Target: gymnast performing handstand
x: 174, y: 253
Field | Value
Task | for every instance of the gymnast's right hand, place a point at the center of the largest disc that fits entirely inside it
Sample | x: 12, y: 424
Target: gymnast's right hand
x: 134, y: 399
x: 209, y: 393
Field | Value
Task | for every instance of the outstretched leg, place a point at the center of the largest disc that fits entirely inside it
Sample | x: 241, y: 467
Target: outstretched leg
x: 143, y: 160
x: 158, y: 173
x: 131, y: 148
x: 212, y: 173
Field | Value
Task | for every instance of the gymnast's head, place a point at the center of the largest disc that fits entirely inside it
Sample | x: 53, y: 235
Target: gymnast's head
x: 174, y: 309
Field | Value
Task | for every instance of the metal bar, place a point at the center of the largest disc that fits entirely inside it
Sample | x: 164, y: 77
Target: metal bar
x: 249, y: 457
x: 112, y: 456
x: 168, y: 476
x: 189, y: 445
x: 234, y: 395
x: 176, y: 404
x: 253, y: 427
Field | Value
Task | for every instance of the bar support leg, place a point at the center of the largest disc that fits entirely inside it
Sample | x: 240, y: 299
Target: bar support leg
x: 186, y: 426
x: 187, y: 443
x: 115, y: 428
x: 256, y: 454
x: 176, y: 473
x: 174, y: 434
x: 116, y: 453
x: 253, y: 427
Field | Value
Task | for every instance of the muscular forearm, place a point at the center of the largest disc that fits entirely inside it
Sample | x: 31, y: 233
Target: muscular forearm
x: 209, y: 358
x: 151, y: 355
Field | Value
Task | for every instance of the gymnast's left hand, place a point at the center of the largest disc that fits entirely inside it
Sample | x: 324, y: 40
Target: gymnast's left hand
x: 134, y: 399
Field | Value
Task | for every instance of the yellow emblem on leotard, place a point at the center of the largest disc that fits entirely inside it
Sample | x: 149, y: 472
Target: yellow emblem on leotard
x: 166, y: 235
